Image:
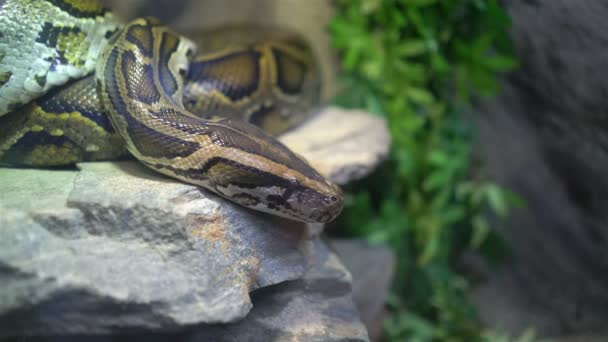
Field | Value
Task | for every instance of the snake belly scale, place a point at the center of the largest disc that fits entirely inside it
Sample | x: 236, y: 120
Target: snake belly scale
x: 184, y: 115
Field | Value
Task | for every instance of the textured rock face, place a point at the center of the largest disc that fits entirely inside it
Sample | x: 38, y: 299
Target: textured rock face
x: 113, y: 247
x: 546, y: 137
x: 372, y: 268
x: 122, y: 236
x: 317, y: 307
x: 342, y: 145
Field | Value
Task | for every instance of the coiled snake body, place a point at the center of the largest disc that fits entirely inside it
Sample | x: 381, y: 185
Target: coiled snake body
x: 184, y: 116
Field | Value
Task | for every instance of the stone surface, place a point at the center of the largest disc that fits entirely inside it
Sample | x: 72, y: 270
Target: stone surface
x: 151, y: 252
x: 372, y: 268
x: 546, y: 137
x: 113, y: 247
x: 343, y: 145
x: 317, y: 307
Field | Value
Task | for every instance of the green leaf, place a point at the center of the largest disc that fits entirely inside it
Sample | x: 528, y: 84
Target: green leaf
x: 419, y: 95
x: 372, y: 69
x: 436, y: 180
x: 439, y: 63
x: 419, y: 3
x: 496, y: 199
x: 481, y: 230
x: 438, y: 157
x: 410, y: 48
x: 500, y: 63
x: 430, y: 249
x: 453, y: 214
x: 514, y: 199
x: 351, y: 59
x: 369, y: 6
x: 409, y: 71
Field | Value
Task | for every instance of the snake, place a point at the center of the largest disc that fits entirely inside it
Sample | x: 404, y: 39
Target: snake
x: 76, y: 85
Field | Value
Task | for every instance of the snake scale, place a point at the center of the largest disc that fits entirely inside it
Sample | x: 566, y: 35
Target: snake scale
x: 77, y: 85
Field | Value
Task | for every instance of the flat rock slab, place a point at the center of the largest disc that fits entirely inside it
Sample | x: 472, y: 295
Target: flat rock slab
x: 115, y: 247
x: 317, y: 307
x: 134, y: 250
x: 372, y: 268
x: 343, y: 145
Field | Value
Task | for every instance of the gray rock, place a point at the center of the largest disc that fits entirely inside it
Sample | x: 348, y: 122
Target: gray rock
x: 150, y: 251
x: 116, y: 247
x: 372, y: 268
x: 317, y: 307
x: 343, y: 145
x: 546, y: 137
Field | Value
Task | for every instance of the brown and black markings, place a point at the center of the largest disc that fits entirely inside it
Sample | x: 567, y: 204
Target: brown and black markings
x: 233, y: 158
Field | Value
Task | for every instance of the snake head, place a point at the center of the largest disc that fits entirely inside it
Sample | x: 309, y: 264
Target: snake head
x: 300, y: 194
x: 263, y: 174
x: 318, y: 202
x: 300, y: 203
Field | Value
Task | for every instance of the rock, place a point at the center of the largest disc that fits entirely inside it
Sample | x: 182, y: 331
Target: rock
x: 372, y: 268
x: 546, y: 138
x: 582, y: 337
x: 134, y: 250
x: 317, y: 307
x: 343, y: 145
x: 113, y: 247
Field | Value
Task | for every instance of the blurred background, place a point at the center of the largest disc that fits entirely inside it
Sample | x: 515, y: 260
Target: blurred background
x: 492, y: 199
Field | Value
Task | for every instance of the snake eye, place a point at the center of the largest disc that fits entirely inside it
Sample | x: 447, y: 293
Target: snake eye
x: 182, y: 72
x: 189, y: 53
x: 330, y: 199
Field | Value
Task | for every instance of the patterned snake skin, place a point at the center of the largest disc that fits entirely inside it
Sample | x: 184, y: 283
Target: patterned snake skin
x: 187, y: 115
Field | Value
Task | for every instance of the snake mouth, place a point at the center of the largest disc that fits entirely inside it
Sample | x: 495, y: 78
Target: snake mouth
x: 312, y: 206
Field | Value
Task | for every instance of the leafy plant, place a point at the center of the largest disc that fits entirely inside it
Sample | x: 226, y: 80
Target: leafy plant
x: 420, y: 64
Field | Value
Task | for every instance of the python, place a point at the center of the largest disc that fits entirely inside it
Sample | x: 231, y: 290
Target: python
x: 205, y: 118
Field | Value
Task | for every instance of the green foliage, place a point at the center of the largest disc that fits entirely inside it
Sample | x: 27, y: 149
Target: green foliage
x: 526, y: 336
x: 419, y: 63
